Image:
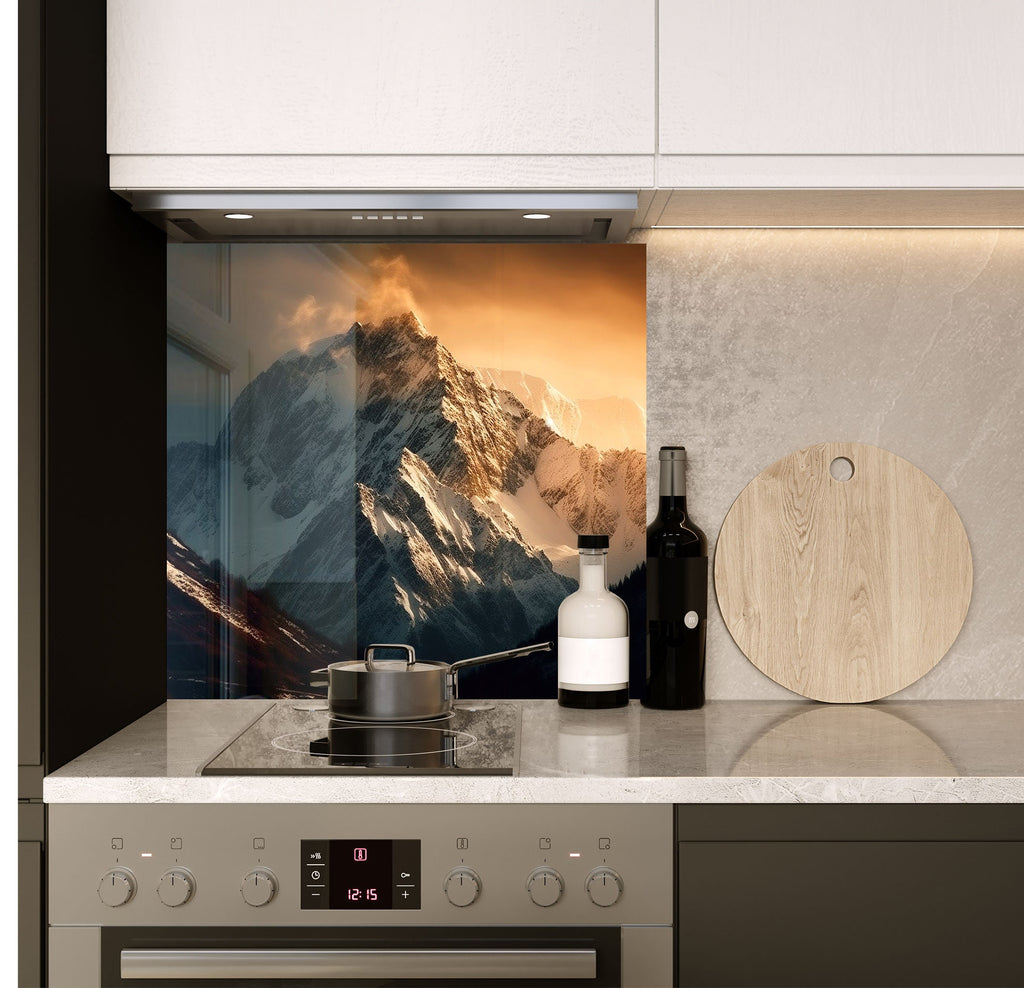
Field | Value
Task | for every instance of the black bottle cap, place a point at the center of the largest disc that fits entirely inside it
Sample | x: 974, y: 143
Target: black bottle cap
x: 672, y: 453
x: 591, y: 541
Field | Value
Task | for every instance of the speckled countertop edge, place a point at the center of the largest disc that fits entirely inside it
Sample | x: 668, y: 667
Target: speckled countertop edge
x: 293, y: 789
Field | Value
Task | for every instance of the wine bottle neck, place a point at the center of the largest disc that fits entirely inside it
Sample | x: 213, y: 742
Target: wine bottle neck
x: 672, y: 481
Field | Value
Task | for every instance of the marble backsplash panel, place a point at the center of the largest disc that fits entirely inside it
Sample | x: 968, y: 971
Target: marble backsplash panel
x: 761, y: 342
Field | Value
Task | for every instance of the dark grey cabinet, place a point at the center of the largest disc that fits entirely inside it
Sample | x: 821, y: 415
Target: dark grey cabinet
x: 30, y: 913
x: 850, y: 896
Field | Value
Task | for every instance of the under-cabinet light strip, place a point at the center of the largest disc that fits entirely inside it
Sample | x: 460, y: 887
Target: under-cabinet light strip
x: 829, y: 226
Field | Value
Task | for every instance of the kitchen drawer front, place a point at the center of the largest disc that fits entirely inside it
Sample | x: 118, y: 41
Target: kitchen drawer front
x: 849, y: 912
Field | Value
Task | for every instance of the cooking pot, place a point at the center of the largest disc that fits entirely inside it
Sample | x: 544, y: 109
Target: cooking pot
x: 394, y: 690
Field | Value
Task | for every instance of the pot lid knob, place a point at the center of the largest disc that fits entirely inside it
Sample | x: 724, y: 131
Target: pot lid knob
x: 408, y: 649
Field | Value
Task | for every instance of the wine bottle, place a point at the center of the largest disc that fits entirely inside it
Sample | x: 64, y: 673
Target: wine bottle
x: 593, y: 635
x: 677, y: 595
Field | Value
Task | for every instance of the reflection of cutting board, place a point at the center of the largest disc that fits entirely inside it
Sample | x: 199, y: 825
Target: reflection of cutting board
x: 834, y: 741
x: 843, y: 590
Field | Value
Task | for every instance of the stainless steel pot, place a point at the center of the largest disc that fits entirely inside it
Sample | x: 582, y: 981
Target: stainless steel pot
x: 395, y: 690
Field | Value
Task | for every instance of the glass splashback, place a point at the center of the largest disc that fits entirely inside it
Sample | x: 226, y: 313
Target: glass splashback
x: 395, y: 443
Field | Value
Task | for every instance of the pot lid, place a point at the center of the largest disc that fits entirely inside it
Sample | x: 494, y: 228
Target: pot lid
x: 387, y: 665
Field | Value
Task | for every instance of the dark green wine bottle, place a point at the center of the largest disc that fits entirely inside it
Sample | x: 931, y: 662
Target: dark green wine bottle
x: 677, y: 595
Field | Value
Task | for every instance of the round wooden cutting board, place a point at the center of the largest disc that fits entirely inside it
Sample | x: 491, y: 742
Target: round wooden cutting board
x: 843, y: 590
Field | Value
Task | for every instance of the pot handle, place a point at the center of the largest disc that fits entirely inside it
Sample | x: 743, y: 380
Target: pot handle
x: 408, y: 649
x: 479, y: 660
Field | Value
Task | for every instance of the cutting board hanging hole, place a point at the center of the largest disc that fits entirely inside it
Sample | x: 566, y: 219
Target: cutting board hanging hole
x: 841, y: 468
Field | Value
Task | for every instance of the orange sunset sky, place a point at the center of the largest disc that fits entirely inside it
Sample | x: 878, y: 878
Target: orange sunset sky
x: 574, y: 314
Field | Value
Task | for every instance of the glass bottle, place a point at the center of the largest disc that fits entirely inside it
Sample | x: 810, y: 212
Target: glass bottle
x: 593, y: 635
x: 677, y: 595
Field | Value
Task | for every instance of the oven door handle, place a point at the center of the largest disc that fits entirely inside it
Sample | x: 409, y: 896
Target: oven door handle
x: 441, y: 965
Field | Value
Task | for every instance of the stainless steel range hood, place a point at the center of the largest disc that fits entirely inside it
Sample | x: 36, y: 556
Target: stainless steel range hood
x: 203, y: 217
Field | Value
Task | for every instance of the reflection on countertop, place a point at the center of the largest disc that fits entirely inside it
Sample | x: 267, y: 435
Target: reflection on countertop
x: 729, y: 751
x: 760, y: 739
x: 843, y: 740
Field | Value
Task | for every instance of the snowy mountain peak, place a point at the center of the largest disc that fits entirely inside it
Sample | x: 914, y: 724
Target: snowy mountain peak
x: 543, y: 399
x: 373, y: 458
x: 407, y: 322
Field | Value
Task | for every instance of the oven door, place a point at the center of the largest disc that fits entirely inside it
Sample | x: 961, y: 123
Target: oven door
x: 399, y: 956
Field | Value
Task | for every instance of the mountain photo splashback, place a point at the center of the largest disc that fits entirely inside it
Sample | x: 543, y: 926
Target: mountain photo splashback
x: 383, y: 444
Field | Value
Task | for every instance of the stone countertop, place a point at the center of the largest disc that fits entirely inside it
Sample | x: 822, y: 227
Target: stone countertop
x: 967, y: 751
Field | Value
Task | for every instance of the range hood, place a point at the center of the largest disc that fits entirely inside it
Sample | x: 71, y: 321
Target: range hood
x: 280, y: 216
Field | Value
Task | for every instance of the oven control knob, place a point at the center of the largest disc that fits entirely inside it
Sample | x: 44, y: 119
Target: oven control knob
x: 604, y: 887
x: 176, y: 887
x: 462, y: 886
x: 259, y: 886
x: 117, y: 887
x: 545, y: 886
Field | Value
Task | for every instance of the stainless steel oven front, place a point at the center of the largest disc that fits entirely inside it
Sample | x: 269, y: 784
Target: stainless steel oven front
x: 398, y: 894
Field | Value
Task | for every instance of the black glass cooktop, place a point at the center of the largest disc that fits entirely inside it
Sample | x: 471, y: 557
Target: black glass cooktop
x: 297, y: 737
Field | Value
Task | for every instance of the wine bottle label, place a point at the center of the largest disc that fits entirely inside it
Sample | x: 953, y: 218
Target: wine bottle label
x: 588, y: 664
x: 677, y: 588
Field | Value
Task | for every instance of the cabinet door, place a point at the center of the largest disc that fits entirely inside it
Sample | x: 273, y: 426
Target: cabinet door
x: 31, y: 922
x: 850, y: 913
x: 792, y: 77
x: 390, y: 77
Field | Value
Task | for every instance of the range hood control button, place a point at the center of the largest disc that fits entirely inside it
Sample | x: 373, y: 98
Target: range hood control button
x: 117, y: 887
x: 176, y: 887
x: 462, y: 886
x: 545, y: 886
x: 259, y: 886
x: 604, y: 887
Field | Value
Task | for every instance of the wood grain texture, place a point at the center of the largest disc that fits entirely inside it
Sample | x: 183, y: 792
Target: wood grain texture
x: 794, y: 77
x: 390, y: 77
x: 383, y: 171
x: 843, y: 591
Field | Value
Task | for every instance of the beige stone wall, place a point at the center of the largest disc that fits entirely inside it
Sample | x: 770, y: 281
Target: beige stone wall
x: 761, y: 342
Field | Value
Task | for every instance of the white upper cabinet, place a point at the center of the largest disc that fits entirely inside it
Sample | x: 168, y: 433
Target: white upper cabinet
x: 381, y: 77
x: 565, y: 94
x: 841, y: 77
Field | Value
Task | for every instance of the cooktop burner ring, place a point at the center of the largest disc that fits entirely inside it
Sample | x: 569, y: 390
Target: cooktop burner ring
x: 301, y: 741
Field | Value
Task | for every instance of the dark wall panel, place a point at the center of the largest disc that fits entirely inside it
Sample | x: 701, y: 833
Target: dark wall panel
x: 104, y: 327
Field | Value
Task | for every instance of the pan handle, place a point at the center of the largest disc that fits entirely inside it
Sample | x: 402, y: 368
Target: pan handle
x: 479, y: 660
x: 408, y: 649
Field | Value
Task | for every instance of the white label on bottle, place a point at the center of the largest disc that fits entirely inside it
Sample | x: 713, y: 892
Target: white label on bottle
x: 590, y: 664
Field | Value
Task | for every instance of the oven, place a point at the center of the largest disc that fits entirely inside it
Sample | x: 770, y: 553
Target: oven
x: 368, y: 894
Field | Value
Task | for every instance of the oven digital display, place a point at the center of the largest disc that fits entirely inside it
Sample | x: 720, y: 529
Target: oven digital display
x: 360, y: 874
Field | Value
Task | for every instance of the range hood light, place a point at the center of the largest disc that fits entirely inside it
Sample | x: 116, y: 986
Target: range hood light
x: 290, y: 215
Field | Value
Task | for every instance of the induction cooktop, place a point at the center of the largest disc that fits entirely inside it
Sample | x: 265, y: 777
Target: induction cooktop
x: 298, y: 737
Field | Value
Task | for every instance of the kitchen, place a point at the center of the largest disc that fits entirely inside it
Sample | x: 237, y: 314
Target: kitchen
x: 871, y: 296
